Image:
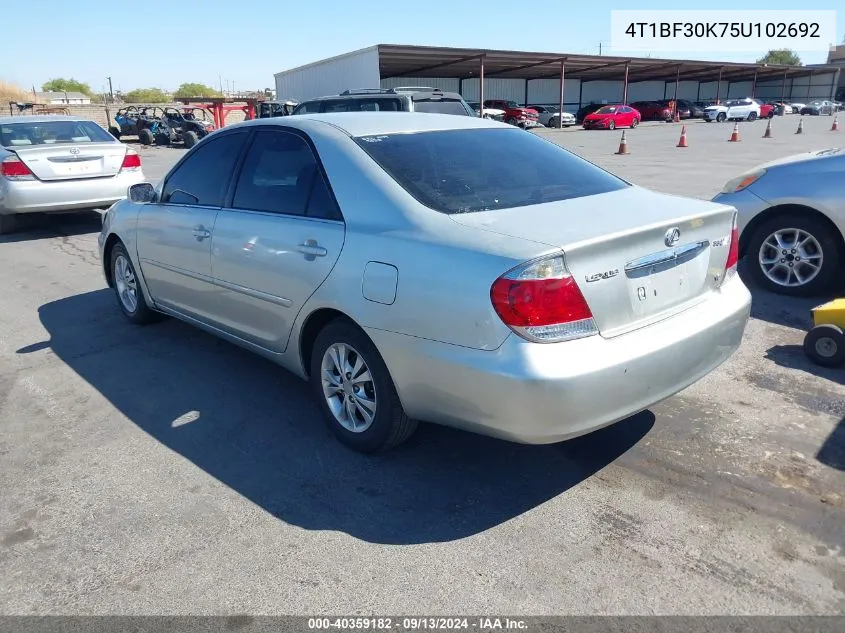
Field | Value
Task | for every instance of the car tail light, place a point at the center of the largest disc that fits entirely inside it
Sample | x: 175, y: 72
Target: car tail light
x: 13, y: 168
x: 541, y: 302
x: 131, y: 161
x: 733, y: 253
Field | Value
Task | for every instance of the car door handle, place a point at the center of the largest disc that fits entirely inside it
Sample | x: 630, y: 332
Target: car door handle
x: 311, y: 248
x: 201, y: 233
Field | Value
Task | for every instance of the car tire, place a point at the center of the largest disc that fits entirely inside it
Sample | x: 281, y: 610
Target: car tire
x: 127, y: 288
x: 720, y: 118
x: 162, y: 139
x: 825, y: 345
x: 611, y: 126
x: 146, y: 137
x: 634, y: 123
x: 752, y: 116
x: 190, y: 139
x: 825, y: 242
x: 115, y: 132
x: 771, y: 114
x: 343, y: 342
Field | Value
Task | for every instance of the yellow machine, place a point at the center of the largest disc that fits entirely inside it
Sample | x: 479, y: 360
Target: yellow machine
x: 825, y: 342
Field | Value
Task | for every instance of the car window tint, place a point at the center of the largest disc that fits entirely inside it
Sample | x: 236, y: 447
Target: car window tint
x: 309, y: 107
x: 52, y: 132
x: 441, y: 106
x: 460, y: 171
x: 321, y: 204
x: 204, y: 175
x: 362, y: 105
x: 277, y: 175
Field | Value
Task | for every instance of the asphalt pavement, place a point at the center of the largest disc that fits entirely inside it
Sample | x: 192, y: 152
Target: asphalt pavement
x: 159, y: 470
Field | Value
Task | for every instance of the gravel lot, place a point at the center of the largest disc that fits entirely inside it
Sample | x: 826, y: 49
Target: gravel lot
x: 159, y: 470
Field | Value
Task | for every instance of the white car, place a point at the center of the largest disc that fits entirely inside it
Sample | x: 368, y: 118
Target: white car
x: 796, y: 107
x: 549, y: 115
x: 733, y: 110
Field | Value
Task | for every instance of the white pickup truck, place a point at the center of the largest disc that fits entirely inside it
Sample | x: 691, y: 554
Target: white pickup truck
x: 733, y: 110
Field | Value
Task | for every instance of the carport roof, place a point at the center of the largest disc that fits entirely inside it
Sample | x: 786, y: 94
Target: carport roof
x: 399, y: 60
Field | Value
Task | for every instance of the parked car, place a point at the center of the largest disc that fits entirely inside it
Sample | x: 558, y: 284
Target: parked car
x: 417, y: 268
x: 183, y: 127
x: 792, y: 221
x: 51, y: 164
x: 515, y: 114
x: 817, y: 108
x: 489, y: 113
x: 686, y: 109
x: 271, y: 109
x: 797, y: 107
x: 653, y: 111
x: 782, y: 108
x: 583, y: 111
x: 549, y: 115
x: 767, y: 110
x: 733, y: 110
x: 389, y: 100
x: 612, y: 116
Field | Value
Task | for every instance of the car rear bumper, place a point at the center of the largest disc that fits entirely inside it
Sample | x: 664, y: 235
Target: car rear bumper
x: 36, y: 196
x: 544, y: 393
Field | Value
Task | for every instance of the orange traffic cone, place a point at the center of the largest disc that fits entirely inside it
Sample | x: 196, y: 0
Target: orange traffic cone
x: 800, y: 129
x: 735, y: 134
x: 835, y: 126
x: 677, y: 116
x: 768, y: 133
x: 683, y: 141
x: 623, y: 145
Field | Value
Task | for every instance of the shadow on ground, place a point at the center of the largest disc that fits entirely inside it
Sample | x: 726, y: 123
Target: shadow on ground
x: 832, y: 452
x: 252, y: 426
x: 39, y: 226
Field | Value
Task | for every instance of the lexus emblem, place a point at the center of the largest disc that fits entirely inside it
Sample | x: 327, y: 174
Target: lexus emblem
x: 74, y: 150
x: 672, y: 236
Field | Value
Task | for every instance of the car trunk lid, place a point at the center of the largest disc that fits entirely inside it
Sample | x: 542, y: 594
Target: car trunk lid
x: 637, y: 256
x: 67, y: 161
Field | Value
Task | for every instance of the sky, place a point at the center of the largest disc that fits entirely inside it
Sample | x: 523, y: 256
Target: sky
x: 240, y: 45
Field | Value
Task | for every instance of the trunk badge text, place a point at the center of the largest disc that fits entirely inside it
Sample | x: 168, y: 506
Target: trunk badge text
x: 74, y: 150
x: 641, y: 293
x: 672, y: 237
x: 605, y: 275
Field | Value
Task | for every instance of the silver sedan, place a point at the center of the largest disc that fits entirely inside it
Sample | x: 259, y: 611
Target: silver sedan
x: 792, y: 221
x: 433, y: 267
x: 52, y: 164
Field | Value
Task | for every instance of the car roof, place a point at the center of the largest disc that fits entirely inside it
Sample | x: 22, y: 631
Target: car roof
x: 370, y: 123
x: 415, y: 95
x: 41, y: 118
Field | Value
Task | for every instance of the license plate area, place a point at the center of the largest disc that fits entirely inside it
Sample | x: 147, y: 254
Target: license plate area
x: 666, y: 279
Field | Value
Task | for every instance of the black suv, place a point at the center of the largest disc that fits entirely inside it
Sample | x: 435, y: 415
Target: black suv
x: 389, y: 100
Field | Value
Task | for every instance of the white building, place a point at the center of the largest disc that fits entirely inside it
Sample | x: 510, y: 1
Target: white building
x: 535, y: 78
x: 62, y: 98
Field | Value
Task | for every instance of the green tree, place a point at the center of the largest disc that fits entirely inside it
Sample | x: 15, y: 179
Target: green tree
x: 146, y: 95
x: 67, y: 85
x: 780, y: 57
x: 195, y: 90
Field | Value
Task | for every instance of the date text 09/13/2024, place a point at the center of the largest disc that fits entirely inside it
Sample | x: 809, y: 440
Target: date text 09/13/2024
x: 375, y: 623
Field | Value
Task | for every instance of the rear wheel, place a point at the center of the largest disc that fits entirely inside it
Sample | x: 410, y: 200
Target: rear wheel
x: 752, y: 116
x: 794, y: 255
x: 146, y: 137
x: 190, y: 139
x: 355, y: 392
x: 825, y: 345
x: 162, y: 139
x: 721, y: 117
x: 635, y: 123
x: 771, y: 114
x: 612, y: 125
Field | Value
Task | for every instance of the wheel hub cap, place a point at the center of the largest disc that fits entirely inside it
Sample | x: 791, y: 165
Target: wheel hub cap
x: 348, y: 387
x: 825, y: 347
x: 791, y: 257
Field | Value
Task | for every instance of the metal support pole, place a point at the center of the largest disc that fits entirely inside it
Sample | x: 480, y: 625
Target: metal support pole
x: 783, y: 91
x: 111, y: 92
x: 526, y: 93
x: 677, y: 81
x: 809, y: 84
x: 698, y: 92
x: 560, y: 110
x: 754, y: 85
x: 481, y: 86
x: 625, y: 86
x: 718, y: 86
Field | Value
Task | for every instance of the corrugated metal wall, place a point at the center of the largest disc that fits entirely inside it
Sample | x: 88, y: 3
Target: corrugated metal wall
x: 332, y: 76
x: 547, y: 91
x: 646, y: 91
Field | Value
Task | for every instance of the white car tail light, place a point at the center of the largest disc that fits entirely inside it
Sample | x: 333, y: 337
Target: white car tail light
x: 12, y: 168
x: 541, y: 302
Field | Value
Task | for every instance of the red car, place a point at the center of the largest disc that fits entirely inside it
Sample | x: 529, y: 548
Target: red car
x: 653, y: 111
x: 610, y: 117
x: 767, y: 110
x: 515, y: 114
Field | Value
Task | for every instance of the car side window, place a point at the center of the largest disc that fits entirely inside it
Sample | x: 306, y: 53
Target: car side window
x: 309, y: 107
x: 203, y: 177
x: 278, y: 176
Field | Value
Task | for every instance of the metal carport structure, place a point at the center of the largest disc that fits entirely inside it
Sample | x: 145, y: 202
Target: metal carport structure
x: 398, y: 60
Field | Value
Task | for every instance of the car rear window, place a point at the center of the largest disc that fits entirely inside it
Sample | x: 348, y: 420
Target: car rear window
x: 463, y: 171
x: 52, y: 132
x: 441, y: 106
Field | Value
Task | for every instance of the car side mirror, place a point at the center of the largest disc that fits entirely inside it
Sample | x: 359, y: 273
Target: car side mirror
x: 142, y: 193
